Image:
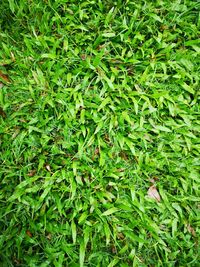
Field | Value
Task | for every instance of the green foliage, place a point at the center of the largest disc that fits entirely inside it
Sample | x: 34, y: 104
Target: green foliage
x: 103, y: 101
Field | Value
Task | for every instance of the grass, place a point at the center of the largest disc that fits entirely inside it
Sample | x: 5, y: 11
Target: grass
x: 99, y: 113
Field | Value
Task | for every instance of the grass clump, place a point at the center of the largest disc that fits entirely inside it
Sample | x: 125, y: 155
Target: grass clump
x: 99, y: 133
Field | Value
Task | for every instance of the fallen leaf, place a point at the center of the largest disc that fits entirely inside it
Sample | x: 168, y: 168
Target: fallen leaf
x: 120, y: 236
x: 4, y: 77
x: 48, y: 168
x: 114, y: 250
x: 49, y: 236
x: 22, y: 120
x: 123, y: 155
x: 164, y: 27
x: 153, y: 193
x: 120, y: 170
x: 31, y: 173
x: 191, y: 230
x: 29, y: 233
x: 96, y: 152
x: 83, y: 56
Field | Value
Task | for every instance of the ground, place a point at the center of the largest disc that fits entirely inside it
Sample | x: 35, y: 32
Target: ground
x: 99, y: 133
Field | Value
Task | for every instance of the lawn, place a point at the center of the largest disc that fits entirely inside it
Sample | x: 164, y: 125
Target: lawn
x: 99, y: 133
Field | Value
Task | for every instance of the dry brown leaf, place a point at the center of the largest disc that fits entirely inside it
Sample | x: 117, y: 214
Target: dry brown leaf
x: 31, y: 173
x: 29, y: 233
x: 120, y: 169
x: 4, y: 77
x: 96, y: 152
x: 83, y: 56
x: 191, y: 230
x: 153, y: 193
x: 48, y: 168
x: 114, y: 250
x: 49, y: 236
x: 120, y: 236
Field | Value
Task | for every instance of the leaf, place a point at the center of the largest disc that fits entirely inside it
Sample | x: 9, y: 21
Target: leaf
x: 153, y: 193
x: 109, y: 16
x: 12, y: 5
x: 162, y: 128
x: 65, y: 44
x: 126, y: 117
x: 108, y: 34
x: 48, y: 168
x: 69, y: 78
x: 191, y: 230
x: 73, y: 228
x: 174, y: 227
x: 192, y: 42
x: 1, y: 85
x: 102, y: 158
x: 107, y: 233
x: 82, y: 253
x: 99, y: 127
x: 130, y: 145
x: 135, y: 103
x: 73, y: 187
x: 110, y: 211
x: 4, y: 77
x: 83, y: 217
x: 188, y: 88
x: 31, y: 173
x: 45, y: 193
x: 113, y: 262
x: 134, y: 237
x: 86, y: 233
x: 29, y: 233
x: 177, y: 207
x: 110, y: 84
x: 104, y: 103
x: 48, y: 55
x: 156, y: 17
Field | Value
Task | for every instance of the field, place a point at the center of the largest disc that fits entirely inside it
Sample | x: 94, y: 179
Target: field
x: 99, y: 133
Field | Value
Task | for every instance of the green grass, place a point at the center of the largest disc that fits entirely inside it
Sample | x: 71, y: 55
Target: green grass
x: 102, y: 102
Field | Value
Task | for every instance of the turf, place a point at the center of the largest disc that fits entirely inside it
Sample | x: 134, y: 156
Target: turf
x: 99, y: 133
